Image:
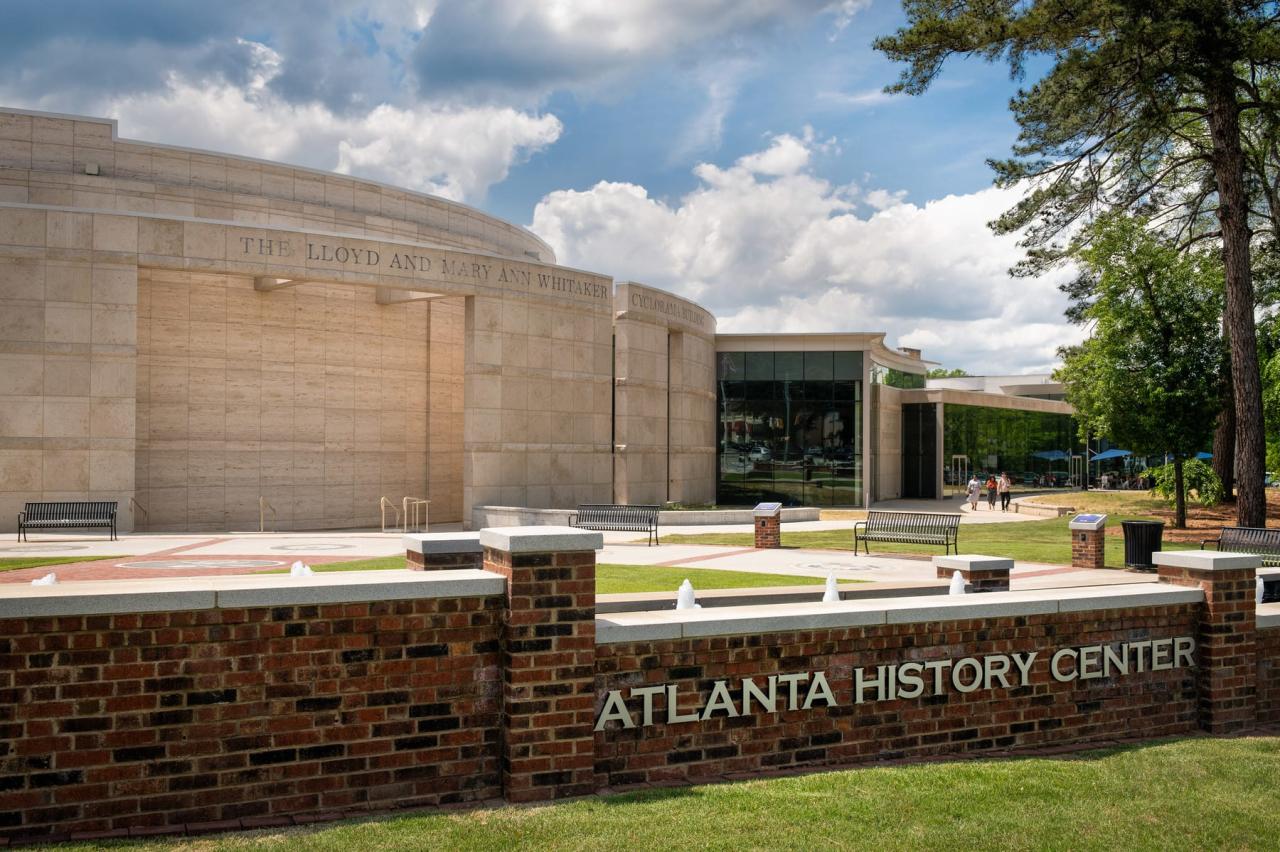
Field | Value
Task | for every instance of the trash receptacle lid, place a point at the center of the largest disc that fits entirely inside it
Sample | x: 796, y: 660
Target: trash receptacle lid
x: 1088, y: 522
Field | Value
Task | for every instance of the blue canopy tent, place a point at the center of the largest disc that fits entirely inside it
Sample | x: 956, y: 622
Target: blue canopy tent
x: 1111, y: 454
x: 1051, y: 455
x: 1204, y: 456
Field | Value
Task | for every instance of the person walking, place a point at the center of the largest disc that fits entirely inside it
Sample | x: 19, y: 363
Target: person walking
x: 991, y: 491
x: 972, y: 490
x: 1004, y: 486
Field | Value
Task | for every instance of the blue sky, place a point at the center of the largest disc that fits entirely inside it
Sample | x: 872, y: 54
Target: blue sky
x: 740, y: 152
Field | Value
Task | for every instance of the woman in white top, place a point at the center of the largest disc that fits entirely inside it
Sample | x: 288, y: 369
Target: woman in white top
x: 973, y: 490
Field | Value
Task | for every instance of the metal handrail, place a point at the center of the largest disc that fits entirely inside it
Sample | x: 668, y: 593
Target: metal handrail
x: 415, y: 503
x: 383, y: 505
x: 136, y: 507
x: 263, y: 506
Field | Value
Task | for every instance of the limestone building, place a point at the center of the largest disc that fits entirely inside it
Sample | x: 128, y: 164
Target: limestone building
x: 210, y: 340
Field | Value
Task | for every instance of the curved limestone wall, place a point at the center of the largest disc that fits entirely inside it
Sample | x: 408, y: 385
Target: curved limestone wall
x: 206, y: 339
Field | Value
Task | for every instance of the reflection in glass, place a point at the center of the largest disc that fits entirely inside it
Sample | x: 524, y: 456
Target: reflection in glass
x: 1033, y: 447
x: 794, y: 438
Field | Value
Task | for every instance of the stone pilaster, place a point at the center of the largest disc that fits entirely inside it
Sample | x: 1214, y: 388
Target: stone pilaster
x: 1226, y: 647
x: 443, y: 551
x: 549, y: 645
x: 981, y: 573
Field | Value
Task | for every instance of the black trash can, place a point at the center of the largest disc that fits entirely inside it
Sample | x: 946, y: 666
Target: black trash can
x: 1141, y: 539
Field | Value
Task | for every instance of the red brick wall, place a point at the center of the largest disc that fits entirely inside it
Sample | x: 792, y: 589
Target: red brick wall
x: 1269, y: 676
x: 769, y: 532
x: 415, y: 561
x: 1088, y: 549
x: 549, y: 646
x: 172, y: 718
x: 1043, y: 713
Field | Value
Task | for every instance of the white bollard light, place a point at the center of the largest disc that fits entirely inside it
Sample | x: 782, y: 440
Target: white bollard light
x: 47, y: 580
x: 832, y: 594
x: 957, y: 583
x: 300, y: 569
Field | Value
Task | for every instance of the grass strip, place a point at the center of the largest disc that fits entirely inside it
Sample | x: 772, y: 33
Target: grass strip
x: 1047, y: 541
x: 616, y: 579
x: 19, y: 562
x: 1195, y: 793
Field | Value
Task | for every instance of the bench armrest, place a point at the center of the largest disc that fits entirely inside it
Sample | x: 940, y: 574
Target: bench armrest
x: 859, y: 524
x: 1205, y: 542
x: 22, y: 516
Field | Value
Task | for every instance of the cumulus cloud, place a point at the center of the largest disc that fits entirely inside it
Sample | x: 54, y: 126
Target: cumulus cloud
x: 455, y: 152
x: 519, y: 46
x: 770, y: 246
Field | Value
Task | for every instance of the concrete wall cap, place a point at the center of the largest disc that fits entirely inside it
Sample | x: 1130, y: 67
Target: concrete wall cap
x: 969, y: 562
x: 173, y: 594
x: 361, y: 587
x: 782, y: 618
x: 442, y: 543
x: 76, y: 599
x: 548, y: 539
x: 1207, y: 560
x: 1268, y: 616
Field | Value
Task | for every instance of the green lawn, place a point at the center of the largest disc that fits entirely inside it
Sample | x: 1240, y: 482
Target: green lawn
x: 1030, y: 541
x: 613, y: 579
x: 1182, y: 794
x: 17, y: 562
x: 1117, y: 502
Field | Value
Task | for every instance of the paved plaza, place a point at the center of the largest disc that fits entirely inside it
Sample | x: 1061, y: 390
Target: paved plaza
x: 154, y: 555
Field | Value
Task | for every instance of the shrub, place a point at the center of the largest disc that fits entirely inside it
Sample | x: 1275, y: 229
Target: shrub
x: 1199, y: 482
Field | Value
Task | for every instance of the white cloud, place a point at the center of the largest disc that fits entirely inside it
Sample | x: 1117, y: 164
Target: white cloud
x: 786, y: 156
x: 769, y: 246
x: 532, y: 48
x: 454, y: 151
x: 857, y: 100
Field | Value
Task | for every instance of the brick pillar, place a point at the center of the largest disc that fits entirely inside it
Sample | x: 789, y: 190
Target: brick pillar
x: 1226, y: 644
x: 1089, y: 542
x: 981, y: 573
x: 443, y: 551
x: 549, y: 647
x: 768, y: 518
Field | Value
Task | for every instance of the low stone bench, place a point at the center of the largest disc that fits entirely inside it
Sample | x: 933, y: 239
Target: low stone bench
x: 981, y: 573
x: 443, y: 551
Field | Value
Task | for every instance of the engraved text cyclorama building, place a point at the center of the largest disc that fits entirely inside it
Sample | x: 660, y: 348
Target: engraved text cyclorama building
x: 210, y: 339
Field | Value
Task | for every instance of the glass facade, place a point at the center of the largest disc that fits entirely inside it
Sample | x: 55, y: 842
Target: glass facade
x: 1034, y: 447
x: 790, y: 428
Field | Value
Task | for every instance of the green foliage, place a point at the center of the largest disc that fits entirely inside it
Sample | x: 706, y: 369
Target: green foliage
x: 1168, y: 110
x: 944, y: 373
x: 1120, y: 121
x: 1199, y: 482
x: 1148, y: 375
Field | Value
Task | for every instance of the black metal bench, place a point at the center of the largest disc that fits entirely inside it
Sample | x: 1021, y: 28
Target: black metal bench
x: 62, y: 516
x: 619, y: 518
x: 907, y: 528
x: 1257, y: 540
